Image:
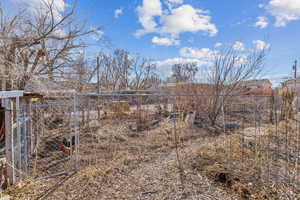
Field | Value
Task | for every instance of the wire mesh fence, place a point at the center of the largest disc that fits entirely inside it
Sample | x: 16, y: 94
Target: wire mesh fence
x: 39, y: 141
x: 252, y: 135
x: 254, y: 138
x: 54, y: 140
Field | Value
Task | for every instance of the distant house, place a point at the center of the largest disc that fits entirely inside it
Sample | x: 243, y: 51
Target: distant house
x: 255, y: 84
x: 292, y: 83
x: 187, y: 88
x: 262, y: 92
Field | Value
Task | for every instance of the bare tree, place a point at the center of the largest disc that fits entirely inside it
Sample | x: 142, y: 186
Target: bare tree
x: 78, y: 76
x: 39, y: 44
x: 144, y: 74
x: 229, y: 71
x: 122, y: 71
x: 114, y: 70
x: 184, y: 72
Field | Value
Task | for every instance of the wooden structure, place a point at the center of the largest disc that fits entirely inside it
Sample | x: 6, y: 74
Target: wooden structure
x: 14, y: 132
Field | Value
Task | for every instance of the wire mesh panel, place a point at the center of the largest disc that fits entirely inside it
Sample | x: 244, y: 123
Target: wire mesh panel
x: 52, y: 140
x: 241, y: 139
x: 113, y: 125
x: 250, y: 137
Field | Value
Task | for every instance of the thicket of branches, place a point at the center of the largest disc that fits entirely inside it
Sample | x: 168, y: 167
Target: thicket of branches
x: 47, y: 46
x: 184, y: 72
x: 222, y: 80
x: 228, y: 73
x: 123, y: 71
x: 44, y: 45
x: 38, y: 44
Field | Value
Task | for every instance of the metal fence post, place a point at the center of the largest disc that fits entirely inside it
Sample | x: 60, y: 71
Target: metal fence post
x: 76, y: 129
x: 176, y: 141
x: 30, y: 133
x: 9, y: 141
x: 88, y: 113
x: 223, y: 115
x: 13, y: 156
x: 25, y: 140
x: 18, y: 133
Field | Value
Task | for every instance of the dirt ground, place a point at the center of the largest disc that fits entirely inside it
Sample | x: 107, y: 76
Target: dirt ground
x: 118, y: 163
x: 128, y: 165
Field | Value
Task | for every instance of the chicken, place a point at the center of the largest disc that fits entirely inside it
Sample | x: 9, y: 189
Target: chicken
x: 68, y: 145
x: 168, y: 132
x: 2, y: 133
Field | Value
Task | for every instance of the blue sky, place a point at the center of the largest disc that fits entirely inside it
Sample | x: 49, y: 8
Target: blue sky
x: 170, y: 31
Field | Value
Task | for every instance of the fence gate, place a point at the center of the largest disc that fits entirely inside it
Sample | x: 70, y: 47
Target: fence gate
x: 50, y: 140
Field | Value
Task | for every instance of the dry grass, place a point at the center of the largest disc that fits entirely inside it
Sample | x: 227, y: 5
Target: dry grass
x: 45, y: 188
x: 119, y: 163
x: 251, y: 159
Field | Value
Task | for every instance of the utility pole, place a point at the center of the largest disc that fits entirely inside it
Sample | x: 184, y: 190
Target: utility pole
x: 295, y: 84
x: 98, y: 85
x: 295, y: 69
x: 295, y: 75
x: 98, y: 75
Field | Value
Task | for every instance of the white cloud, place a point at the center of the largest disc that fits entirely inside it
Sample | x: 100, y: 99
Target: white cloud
x: 118, y: 12
x: 284, y: 11
x: 218, y: 44
x: 165, y: 41
x: 204, y: 54
x: 277, y: 79
x: 261, y: 5
x: 207, y: 56
x: 97, y: 34
x: 202, y: 57
x: 59, y: 6
x: 146, y: 13
x: 175, y: 1
x: 260, y: 45
x: 262, y: 22
x: 59, y: 32
x: 191, y: 40
x: 241, y: 59
x: 278, y: 76
x: 172, y: 3
x: 187, y: 19
x: 238, y: 46
x: 173, y: 21
x: 165, y: 66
